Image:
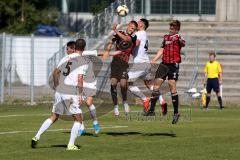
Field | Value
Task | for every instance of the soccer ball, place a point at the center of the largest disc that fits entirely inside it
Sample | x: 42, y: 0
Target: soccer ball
x: 122, y: 10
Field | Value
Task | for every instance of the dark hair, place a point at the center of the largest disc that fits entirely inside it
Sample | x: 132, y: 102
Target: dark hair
x: 80, y: 44
x: 176, y: 23
x: 134, y: 22
x: 145, y: 22
x: 212, y: 54
x: 71, y: 44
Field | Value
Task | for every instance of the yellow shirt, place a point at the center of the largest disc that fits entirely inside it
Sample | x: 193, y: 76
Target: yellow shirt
x: 213, y: 69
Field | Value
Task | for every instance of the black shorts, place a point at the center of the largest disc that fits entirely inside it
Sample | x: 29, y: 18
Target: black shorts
x: 171, y: 73
x: 213, y: 83
x: 119, y: 69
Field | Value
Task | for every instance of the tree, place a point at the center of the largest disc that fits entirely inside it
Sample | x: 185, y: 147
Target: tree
x: 98, y: 7
x: 21, y: 17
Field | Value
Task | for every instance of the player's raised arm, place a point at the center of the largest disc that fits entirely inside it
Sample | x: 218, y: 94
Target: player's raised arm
x: 121, y: 35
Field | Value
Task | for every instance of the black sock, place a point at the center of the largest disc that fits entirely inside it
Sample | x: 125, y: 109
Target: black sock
x: 114, y: 94
x: 207, y: 101
x: 220, y: 101
x: 175, y: 102
x: 155, y: 95
x: 124, y: 93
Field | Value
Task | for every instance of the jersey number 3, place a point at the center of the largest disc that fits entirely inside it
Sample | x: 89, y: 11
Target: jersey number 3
x: 67, y: 69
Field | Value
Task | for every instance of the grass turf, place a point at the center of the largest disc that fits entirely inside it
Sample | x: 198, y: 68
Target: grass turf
x: 209, y: 134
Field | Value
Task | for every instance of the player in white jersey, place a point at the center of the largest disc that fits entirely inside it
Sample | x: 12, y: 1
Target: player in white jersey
x: 69, y: 72
x: 141, y: 66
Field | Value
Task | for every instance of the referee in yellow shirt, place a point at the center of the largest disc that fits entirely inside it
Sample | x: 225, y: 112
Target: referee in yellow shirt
x: 213, y: 78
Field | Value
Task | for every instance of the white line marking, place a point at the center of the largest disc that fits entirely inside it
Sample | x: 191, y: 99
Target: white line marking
x: 56, y: 130
x: 23, y: 115
x: 29, y: 115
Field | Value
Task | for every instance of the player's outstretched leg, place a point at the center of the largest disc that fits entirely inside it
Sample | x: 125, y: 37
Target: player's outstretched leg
x: 136, y: 91
x: 93, y: 114
x: 46, y: 124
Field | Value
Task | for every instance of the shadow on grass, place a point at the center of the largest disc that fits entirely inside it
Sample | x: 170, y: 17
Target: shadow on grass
x: 62, y: 146
x: 160, y: 134
x: 85, y: 134
x: 121, y: 133
x: 59, y: 146
x: 138, y: 133
x: 54, y: 146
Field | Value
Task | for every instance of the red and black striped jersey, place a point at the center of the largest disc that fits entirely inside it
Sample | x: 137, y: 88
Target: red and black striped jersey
x: 171, y: 45
x: 124, y: 55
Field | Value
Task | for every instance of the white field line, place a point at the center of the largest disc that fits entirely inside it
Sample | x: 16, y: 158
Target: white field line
x: 45, y: 114
x: 56, y: 130
x: 23, y: 115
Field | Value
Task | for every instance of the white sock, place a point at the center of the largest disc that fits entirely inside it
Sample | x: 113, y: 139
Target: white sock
x: 46, y: 124
x: 95, y: 122
x: 136, y: 91
x: 74, y: 132
x: 82, y: 126
x: 126, y: 106
x: 92, y: 109
x: 161, y: 100
x: 116, y: 106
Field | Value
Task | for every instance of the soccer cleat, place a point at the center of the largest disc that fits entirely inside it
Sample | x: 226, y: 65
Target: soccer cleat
x: 72, y: 148
x: 81, y: 132
x: 164, y: 109
x: 34, y: 142
x: 149, y: 113
x: 116, y: 112
x: 146, y: 104
x: 96, y: 128
x: 175, y: 118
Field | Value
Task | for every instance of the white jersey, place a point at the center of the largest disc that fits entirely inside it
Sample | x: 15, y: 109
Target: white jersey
x: 140, y: 54
x: 71, y: 66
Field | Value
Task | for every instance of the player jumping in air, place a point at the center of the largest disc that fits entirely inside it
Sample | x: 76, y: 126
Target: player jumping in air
x: 170, y: 53
x: 141, y: 66
x: 125, y: 41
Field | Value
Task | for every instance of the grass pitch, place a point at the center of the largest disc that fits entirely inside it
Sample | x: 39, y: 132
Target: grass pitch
x: 212, y: 134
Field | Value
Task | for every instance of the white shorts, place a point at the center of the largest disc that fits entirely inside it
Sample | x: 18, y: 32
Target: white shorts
x: 66, y: 104
x: 139, y: 70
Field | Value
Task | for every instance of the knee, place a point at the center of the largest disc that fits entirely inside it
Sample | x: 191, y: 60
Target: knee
x: 123, y: 86
x: 89, y: 101
x: 54, y: 117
